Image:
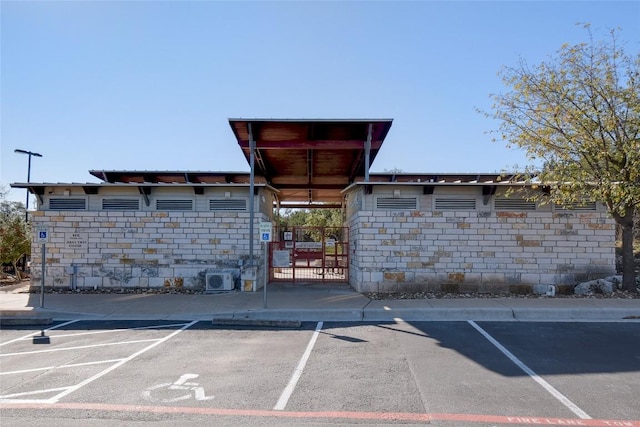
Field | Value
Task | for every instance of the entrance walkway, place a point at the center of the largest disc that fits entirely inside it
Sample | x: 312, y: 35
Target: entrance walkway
x: 317, y: 302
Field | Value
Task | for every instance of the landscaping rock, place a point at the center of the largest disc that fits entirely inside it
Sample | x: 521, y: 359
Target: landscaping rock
x: 598, y: 286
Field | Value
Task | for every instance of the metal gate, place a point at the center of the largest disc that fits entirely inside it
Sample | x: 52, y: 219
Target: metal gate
x: 309, y: 254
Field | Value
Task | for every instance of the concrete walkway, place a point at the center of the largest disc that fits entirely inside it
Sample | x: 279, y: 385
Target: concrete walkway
x: 302, y: 303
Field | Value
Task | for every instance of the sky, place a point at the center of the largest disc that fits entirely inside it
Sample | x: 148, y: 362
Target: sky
x: 151, y: 85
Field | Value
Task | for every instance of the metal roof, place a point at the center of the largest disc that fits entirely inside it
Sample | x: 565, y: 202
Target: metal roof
x: 200, y: 180
x: 177, y: 177
x: 307, y: 162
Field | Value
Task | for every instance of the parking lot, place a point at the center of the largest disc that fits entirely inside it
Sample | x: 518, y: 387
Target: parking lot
x: 409, y: 373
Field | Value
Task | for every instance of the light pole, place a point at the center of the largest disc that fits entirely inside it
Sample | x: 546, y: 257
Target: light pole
x: 28, y: 153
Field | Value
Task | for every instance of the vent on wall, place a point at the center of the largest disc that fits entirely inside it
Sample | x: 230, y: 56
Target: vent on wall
x: 120, y: 204
x: 67, y: 204
x: 228, y: 205
x: 174, y: 205
x: 219, y: 282
x: 390, y: 203
x: 508, y: 204
x: 576, y: 206
x: 451, y: 204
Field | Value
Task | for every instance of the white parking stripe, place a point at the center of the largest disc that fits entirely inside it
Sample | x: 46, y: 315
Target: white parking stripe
x: 288, y: 390
x: 28, y: 393
x: 47, y: 368
x: 108, y: 331
x: 50, y: 350
x: 555, y: 393
x: 36, y: 333
x: 59, y: 396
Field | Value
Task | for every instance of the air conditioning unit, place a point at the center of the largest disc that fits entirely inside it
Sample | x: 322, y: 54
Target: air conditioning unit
x: 219, y: 282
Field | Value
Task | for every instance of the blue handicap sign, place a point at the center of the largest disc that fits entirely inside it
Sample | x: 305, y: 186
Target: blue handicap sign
x: 43, y: 235
x: 265, y: 236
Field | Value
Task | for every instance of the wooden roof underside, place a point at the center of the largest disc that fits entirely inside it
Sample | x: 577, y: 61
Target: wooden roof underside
x: 310, y: 161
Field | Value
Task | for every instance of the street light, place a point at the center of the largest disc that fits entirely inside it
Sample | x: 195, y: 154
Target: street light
x: 28, y: 153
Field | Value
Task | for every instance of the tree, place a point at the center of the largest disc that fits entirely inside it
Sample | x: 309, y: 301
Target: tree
x: 15, y: 239
x: 325, y: 217
x: 579, y: 115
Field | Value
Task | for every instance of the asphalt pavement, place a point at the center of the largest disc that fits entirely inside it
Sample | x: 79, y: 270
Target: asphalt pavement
x: 286, y: 302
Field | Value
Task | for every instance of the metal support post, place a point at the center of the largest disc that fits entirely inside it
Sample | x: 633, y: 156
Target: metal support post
x: 252, y: 146
x: 44, y: 263
x: 266, y: 275
x: 367, y: 153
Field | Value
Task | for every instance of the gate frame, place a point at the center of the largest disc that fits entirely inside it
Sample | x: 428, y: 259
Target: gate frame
x: 320, y: 267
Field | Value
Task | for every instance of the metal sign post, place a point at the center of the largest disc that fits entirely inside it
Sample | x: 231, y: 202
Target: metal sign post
x: 43, y: 238
x: 264, y: 291
x: 266, y: 231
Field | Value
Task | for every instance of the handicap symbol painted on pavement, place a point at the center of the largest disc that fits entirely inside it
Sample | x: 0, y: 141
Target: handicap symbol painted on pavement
x: 160, y: 393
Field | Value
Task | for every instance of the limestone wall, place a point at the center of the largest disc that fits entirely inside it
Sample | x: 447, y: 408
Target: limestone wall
x: 145, y: 248
x: 484, y: 249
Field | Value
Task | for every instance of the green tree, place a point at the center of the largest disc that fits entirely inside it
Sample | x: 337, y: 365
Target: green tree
x: 310, y: 217
x: 578, y: 114
x: 15, y: 239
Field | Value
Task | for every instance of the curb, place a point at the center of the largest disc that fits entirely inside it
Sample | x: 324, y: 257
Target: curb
x: 444, y: 314
x: 582, y: 314
x: 302, y: 315
x: 256, y: 322
x: 26, y: 320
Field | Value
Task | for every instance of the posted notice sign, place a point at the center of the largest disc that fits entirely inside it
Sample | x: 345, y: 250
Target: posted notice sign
x: 266, y: 230
x: 42, y: 234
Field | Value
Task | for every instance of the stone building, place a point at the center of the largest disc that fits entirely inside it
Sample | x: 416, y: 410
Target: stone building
x: 403, y: 232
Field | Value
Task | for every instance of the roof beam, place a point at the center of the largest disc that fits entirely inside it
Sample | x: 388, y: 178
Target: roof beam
x: 355, y: 166
x: 487, y: 192
x: 367, y: 153
x: 90, y: 189
x: 309, y: 186
x: 39, y: 192
x: 309, y: 166
x: 310, y: 205
x: 302, y: 144
x: 145, y: 191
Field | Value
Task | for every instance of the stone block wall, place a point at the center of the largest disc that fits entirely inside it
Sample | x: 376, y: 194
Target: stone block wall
x: 482, y: 250
x: 141, y: 249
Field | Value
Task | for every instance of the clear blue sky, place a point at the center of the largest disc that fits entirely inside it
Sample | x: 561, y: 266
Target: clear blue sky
x: 151, y: 85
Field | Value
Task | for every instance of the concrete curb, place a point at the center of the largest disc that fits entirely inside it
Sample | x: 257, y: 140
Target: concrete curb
x: 305, y: 315
x: 445, y: 314
x: 372, y: 314
x: 259, y: 323
x: 24, y: 318
x: 585, y: 314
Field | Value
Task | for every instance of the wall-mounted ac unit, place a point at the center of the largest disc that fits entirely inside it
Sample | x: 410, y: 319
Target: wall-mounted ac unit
x: 219, y: 282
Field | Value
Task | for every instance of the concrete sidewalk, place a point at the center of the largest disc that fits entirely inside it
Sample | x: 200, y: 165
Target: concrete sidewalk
x: 302, y: 303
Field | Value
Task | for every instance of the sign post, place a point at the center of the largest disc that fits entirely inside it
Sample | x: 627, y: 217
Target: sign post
x: 266, y: 232
x: 43, y: 238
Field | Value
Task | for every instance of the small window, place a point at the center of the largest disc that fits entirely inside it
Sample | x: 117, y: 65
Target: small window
x: 227, y: 204
x: 576, y: 206
x: 400, y: 203
x: 509, y: 204
x: 174, y: 205
x: 457, y: 204
x: 67, y: 204
x: 120, y: 204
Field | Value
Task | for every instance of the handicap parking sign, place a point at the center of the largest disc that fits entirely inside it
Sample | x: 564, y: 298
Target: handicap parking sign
x: 43, y: 235
x: 266, y: 229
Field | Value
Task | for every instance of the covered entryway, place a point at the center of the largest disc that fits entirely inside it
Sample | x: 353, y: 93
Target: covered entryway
x: 309, y: 163
x: 309, y: 254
